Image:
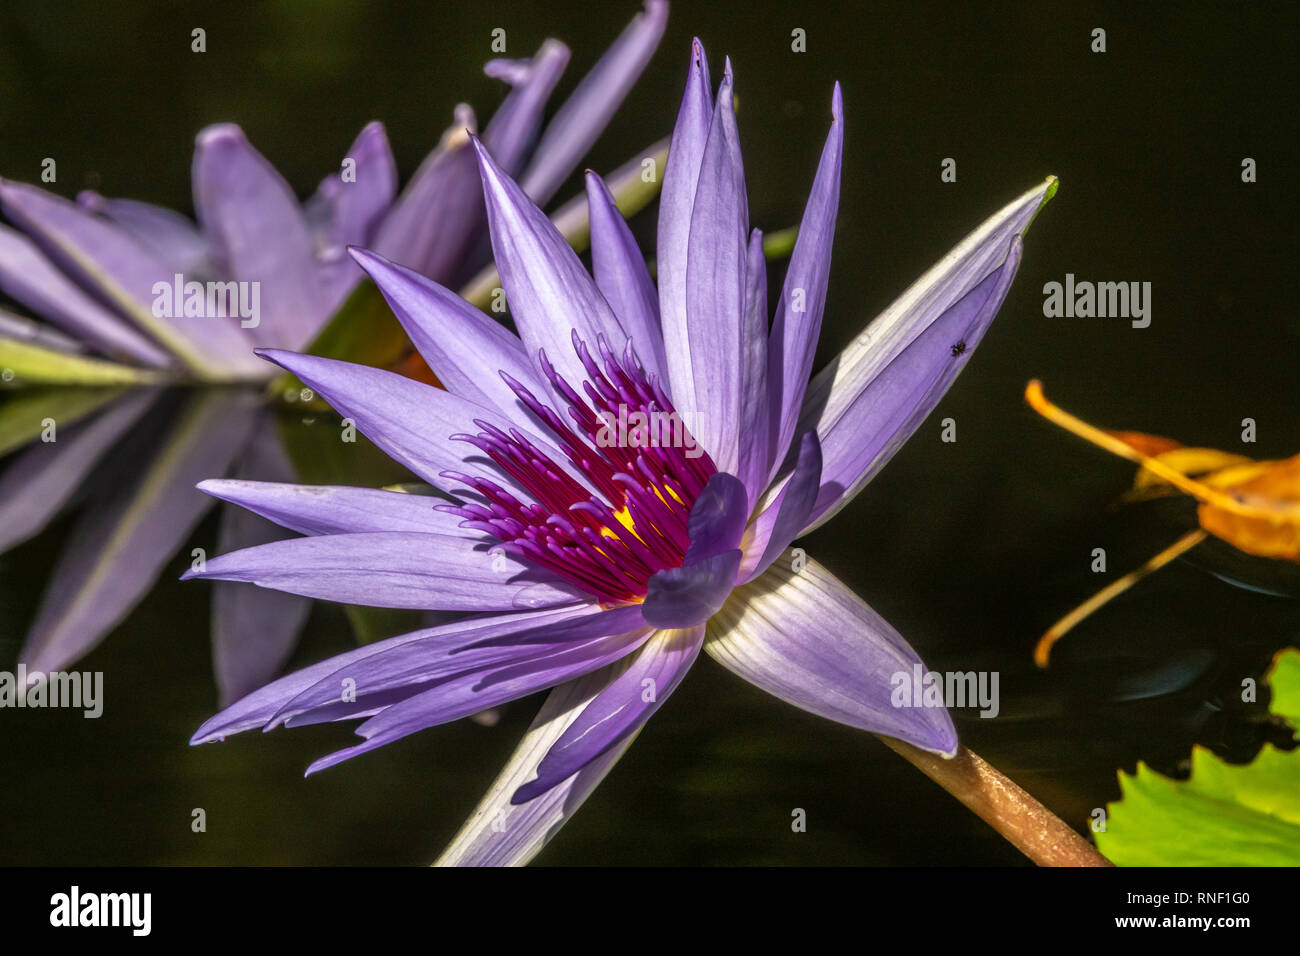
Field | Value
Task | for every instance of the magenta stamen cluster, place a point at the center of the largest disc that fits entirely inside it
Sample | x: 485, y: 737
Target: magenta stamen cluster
x: 575, y: 529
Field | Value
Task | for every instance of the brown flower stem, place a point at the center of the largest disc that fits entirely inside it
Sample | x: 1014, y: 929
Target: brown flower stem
x: 1028, y: 825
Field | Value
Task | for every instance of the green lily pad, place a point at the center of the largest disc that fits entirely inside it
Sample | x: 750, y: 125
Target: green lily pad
x: 1223, y: 814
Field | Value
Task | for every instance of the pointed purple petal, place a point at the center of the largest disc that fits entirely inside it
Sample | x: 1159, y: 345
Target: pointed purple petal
x: 547, y: 288
x: 717, y: 519
x: 798, y: 320
x: 835, y: 391
x: 783, y: 520
x: 394, y: 569
x: 499, y: 833
x: 892, y: 406
x: 106, y: 258
x: 27, y: 276
x: 618, y: 711
x: 804, y: 637
x: 512, y: 131
x: 716, y: 290
x: 464, y: 348
x: 439, y: 214
x: 754, y: 423
x: 336, y: 509
x: 261, y: 706
x: 257, y: 233
x: 171, y: 237
x: 681, y: 174
x: 622, y: 277
x: 476, y: 691
x: 584, y: 115
x: 691, y: 594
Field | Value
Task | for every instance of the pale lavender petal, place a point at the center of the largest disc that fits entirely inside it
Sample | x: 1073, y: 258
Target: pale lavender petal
x: 439, y: 214
x: 681, y: 174
x: 41, y: 479
x: 618, y: 711
x: 106, y: 258
x: 686, y: 596
x: 512, y: 131
x: 122, y: 542
x: 337, y: 509
x: 547, y: 288
x: 784, y: 519
x: 171, y: 237
x: 716, y: 289
x: 253, y: 630
x: 27, y: 276
x: 804, y: 637
x: 261, y: 706
x: 499, y: 833
x: 797, y: 323
x: 835, y: 390
x: 470, y: 693
x: 584, y: 115
x: 19, y: 328
x: 352, y: 210
x: 717, y: 519
x: 892, y: 406
x: 257, y: 233
x: 462, y: 346
x: 410, y: 421
x: 398, y: 569
x: 623, y: 279
x: 753, y: 424
x: 411, y: 667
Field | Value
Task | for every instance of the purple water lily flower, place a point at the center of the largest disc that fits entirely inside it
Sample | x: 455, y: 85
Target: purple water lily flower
x: 92, y: 272
x: 595, y: 556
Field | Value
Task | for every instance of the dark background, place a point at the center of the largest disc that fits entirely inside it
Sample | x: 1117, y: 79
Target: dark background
x: 971, y: 549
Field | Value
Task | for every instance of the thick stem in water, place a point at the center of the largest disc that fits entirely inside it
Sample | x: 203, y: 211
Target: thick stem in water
x: 1028, y: 825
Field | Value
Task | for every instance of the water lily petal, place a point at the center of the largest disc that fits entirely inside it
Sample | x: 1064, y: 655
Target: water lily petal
x: 412, y: 666
x: 336, y: 509
x: 462, y: 346
x: 547, y: 288
x: 717, y: 519
x: 619, y: 710
x: 685, y: 596
x: 835, y: 390
x: 106, y: 258
x: 622, y: 277
x: 470, y: 693
x: 394, y: 569
x: 499, y: 833
x: 867, y: 434
x: 438, y: 214
x: 27, y: 276
x: 681, y: 175
x: 261, y: 706
x: 257, y: 233
x: 754, y: 424
x: 352, y: 209
x: 589, y: 108
x: 804, y: 637
x: 716, y: 290
x: 798, y: 320
x: 513, y: 129
x: 784, y: 518
x: 410, y: 421
x: 170, y: 236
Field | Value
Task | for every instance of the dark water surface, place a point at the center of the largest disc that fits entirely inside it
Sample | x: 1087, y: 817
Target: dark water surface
x: 969, y: 548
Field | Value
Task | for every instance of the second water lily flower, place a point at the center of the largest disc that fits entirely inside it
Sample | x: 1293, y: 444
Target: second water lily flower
x: 596, y: 560
x: 94, y: 275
